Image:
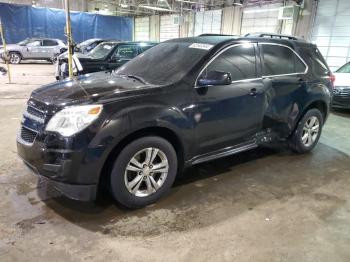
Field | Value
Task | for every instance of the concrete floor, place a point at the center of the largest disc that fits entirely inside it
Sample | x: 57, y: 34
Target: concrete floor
x: 263, y: 205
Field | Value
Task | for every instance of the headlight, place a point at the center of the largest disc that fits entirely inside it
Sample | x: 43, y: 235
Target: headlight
x: 73, y: 119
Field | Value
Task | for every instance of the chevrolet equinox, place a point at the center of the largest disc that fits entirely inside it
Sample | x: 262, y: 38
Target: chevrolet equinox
x: 180, y: 103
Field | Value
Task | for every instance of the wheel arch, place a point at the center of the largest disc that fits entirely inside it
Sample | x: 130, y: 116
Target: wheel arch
x: 17, y: 52
x: 317, y: 104
x: 163, y: 132
x: 320, y: 105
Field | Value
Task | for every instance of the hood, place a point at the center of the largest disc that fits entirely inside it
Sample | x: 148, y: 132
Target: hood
x: 342, y: 79
x: 100, y: 86
x: 64, y: 55
x: 82, y: 57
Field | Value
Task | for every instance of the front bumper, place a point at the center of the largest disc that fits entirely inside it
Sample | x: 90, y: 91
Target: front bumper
x: 58, y: 168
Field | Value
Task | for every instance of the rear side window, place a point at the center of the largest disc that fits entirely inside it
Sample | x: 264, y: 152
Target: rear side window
x: 238, y: 60
x: 280, y: 60
x: 315, y: 60
x: 49, y: 43
x: 127, y: 51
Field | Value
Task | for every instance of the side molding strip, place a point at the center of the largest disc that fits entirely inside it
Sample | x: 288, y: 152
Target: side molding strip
x: 230, y: 151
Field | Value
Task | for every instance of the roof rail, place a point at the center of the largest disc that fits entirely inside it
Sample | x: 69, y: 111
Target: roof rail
x: 209, y: 34
x: 270, y: 35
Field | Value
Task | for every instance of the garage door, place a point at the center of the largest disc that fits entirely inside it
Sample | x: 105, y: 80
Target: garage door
x: 331, y: 31
x: 142, y: 28
x: 207, y: 22
x: 261, y: 19
x: 168, y: 27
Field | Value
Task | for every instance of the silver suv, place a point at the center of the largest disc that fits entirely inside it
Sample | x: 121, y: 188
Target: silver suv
x: 33, y: 49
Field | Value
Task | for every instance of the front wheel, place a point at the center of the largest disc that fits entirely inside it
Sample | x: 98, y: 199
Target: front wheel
x: 15, y: 58
x: 143, y: 172
x: 308, y: 132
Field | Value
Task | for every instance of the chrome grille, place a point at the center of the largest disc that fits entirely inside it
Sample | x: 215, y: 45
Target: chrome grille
x: 28, y: 135
x: 33, y: 122
x: 341, y: 91
x: 35, y: 112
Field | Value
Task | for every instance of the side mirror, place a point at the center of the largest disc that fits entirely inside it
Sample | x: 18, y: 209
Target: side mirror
x: 215, y: 78
x: 115, y: 58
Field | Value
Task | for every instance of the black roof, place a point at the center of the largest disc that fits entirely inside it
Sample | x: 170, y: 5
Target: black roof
x: 205, y: 39
x: 217, y: 39
x: 128, y: 42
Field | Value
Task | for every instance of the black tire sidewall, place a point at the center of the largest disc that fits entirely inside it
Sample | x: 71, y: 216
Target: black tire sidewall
x: 117, y: 184
x: 296, y: 139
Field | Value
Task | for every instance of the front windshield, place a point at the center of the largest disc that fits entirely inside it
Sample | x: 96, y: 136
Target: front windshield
x: 102, y: 50
x: 165, y: 63
x: 344, y: 69
x: 24, y: 42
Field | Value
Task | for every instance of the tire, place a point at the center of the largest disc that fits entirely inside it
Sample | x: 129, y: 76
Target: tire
x: 141, y: 175
x: 306, y: 128
x: 15, y: 58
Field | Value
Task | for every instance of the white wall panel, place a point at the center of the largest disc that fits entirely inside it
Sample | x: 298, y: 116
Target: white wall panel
x: 331, y: 31
x: 168, y: 29
x: 231, y: 20
x: 142, y: 28
x: 207, y: 22
x: 187, y: 25
x: 261, y: 19
x: 154, y: 29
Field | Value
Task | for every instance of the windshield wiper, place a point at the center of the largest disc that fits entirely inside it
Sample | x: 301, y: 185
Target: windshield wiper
x: 138, y: 78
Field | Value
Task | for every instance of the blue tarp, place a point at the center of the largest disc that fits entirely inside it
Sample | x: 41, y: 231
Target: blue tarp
x: 20, y: 22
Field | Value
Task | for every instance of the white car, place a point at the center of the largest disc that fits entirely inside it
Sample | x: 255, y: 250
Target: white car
x: 33, y: 49
x: 341, y: 91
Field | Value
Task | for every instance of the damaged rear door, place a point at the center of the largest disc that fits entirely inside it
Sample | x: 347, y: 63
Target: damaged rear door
x: 284, y: 76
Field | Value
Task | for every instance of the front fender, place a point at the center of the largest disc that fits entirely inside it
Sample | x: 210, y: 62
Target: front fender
x: 128, y: 120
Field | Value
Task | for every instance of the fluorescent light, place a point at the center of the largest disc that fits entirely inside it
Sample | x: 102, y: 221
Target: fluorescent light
x: 260, y: 10
x: 155, y: 8
x: 123, y: 5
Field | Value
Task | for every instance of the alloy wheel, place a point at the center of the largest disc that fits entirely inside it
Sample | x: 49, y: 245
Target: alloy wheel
x: 146, y: 172
x: 310, y: 131
x: 14, y: 58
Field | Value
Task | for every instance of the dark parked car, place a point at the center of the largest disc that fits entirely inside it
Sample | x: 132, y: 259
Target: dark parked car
x: 341, y: 91
x: 181, y: 103
x: 105, y: 56
x: 85, y: 46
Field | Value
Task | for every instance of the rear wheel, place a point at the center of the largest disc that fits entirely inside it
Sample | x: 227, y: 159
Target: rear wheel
x: 143, y: 172
x: 15, y: 58
x: 308, y: 132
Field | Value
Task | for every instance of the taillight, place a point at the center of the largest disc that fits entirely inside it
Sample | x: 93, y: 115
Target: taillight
x: 332, y: 78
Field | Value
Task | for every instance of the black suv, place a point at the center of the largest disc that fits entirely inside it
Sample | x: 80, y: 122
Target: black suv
x: 105, y: 56
x: 183, y: 102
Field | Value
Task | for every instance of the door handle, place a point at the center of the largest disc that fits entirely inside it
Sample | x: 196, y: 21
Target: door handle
x: 253, y: 92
